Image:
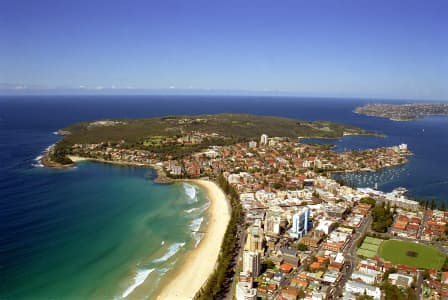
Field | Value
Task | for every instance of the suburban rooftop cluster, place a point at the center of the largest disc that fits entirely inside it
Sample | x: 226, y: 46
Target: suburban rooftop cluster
x: 306, y: 235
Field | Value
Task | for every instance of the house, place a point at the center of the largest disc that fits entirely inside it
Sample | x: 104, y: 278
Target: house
x: 335, y: 247
x: 286, y: 268
x: 298, y: 282
x: 312, y: 240
x: 331, y: 276
x: 279, y: 277
x: 445, y: 277
x: 364, y: 277
x: 290, y: 293
x: 400, y: 280
x: 407, y: 269
x: 359, y: 288
x: 334, y: 266
x: 315, y: 266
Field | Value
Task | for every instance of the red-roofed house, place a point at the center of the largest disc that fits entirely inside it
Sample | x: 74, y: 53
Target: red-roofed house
x: 286, y: 268
x: 315, y: 266
x: 299, y: 283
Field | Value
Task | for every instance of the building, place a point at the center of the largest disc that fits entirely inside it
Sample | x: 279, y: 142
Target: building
x: 326, y: 226
x: 331, y: 276
x: 364, y: 277
x: 244, y: 291
x: 263, y: 140
x: 272, y: 223
x: 290, y: 293
x: 336, y: 212
x: 359, y: 288
x: 396, y: 198
x: 251, y: 263
x: 400, y: 280
x: 313, y: 239
x: 289, y: 256
x: 252, y: 144
x: 255, y: 239
x: 300, y: 223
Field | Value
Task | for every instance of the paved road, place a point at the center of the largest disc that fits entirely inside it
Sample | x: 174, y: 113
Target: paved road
x: 351, y: 260
x: 418, y: 289
x: 241, y: 233
x: 421, y: 229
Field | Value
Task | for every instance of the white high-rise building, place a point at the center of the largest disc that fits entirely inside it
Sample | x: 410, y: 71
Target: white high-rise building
x: 251, y: 263
x: 263, y: 140
x: 300, y: 223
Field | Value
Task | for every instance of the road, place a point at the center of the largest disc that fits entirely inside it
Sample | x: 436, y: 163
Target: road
x: 349, y: 252
x: 418, y: 289
x: 241, y: 234
x: 422, y: 228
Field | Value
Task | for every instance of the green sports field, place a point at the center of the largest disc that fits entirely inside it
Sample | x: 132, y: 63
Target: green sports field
x: 411, y: 254
x: 371, y: 240
x: 369, y: 247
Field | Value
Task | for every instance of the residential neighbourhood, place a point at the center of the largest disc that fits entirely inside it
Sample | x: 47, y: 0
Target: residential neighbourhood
x: 305, y: 234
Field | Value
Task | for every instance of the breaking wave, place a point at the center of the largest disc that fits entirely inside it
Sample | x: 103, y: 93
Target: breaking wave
x: 38, y: 160
x: 139, y: 278
x: 172, y: 250
x: 190, y: 190
x: 196, y: 224
x: 200, y: 209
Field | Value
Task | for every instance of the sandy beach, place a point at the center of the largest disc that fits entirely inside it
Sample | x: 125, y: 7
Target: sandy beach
x: 200, y: 262
x: 76, y: 159
x: 161, y: 177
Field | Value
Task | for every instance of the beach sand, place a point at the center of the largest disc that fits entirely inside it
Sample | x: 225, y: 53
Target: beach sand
x: 200, y: 263
x: 76, y: 159
x: 161, y: 177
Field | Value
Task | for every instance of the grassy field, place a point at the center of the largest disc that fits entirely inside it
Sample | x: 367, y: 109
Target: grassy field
x: 411, y: 254
x: 371, y: 240
x: 369, y: 247
x: 366, y: 253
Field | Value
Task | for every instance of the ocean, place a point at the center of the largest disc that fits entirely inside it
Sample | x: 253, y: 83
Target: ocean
x: 100, y: 231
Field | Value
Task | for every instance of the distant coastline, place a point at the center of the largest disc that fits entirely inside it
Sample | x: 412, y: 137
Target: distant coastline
x: 403, y: 112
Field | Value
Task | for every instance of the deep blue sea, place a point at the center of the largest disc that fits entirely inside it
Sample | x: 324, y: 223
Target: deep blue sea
x: 98, y: 231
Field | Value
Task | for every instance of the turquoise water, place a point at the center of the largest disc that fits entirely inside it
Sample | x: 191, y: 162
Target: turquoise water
x: 104, y: 231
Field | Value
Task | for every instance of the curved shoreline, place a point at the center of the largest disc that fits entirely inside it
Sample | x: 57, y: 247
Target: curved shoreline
x: 200, y: 262
x: 161, y: 178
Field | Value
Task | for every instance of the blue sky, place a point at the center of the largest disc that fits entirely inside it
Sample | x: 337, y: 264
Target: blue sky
x: 384, y: 49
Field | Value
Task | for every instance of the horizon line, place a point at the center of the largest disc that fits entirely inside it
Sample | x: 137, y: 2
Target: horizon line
x: 200, y: 93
